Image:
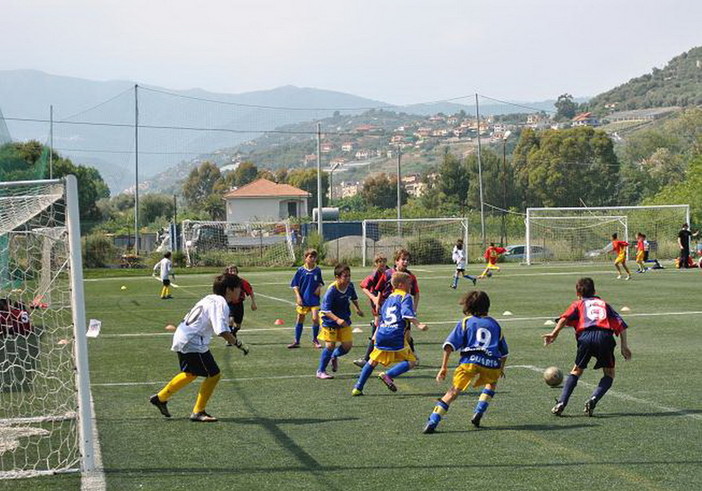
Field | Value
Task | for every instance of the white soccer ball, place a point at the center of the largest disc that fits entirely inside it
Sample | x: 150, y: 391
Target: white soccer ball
x: 553, y: 376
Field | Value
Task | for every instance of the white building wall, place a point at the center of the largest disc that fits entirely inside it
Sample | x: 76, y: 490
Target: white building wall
x: 262, y: 209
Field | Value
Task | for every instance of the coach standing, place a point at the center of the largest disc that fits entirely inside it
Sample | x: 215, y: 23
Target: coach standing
x: 684, y: 237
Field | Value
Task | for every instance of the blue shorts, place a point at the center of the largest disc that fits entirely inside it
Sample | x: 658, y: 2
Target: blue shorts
x: 599, y: 343
x: 200, y: 364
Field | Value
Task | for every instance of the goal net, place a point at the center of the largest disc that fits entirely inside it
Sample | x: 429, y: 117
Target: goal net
x: 212, y: 243
x: 584, y: 234
x: 45, y: 416
x: 429, y: 240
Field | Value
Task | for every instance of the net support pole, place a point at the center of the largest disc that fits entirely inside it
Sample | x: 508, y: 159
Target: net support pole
x: 528, y: 238
x: 363, y: 242
x: 85, y: 416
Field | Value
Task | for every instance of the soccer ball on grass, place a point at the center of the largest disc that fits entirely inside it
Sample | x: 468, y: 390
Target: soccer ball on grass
x: 553, y: 376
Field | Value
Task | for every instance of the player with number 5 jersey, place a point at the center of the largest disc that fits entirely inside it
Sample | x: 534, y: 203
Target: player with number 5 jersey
x: 483, y: 350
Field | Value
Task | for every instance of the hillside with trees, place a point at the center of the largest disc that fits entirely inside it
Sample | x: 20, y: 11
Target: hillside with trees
x: 679, y: 83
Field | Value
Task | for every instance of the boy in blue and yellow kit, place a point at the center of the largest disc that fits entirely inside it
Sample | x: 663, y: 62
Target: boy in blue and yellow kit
x: 478, y: 337
x: 307, y: 285
x: 336, y: 320
x: 391, y: 336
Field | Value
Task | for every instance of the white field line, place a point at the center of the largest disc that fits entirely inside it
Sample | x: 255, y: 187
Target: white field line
x: 94, y: 480
x: 434, y: 323
x: 610, y: 393
x: 624, y: 397
x: 275, y: 298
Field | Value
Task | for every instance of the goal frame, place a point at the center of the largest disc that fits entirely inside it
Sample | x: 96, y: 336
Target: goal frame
x: 364, y: 236
x: 614, y: 209
x: 82, y: 370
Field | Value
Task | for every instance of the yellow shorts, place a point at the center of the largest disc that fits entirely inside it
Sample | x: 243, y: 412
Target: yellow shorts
x: 640, y: 256
x: 306, y: 310
x: 336, y: 335
x: 621, y: 259
x: 386, y: 358
x: 468, y: 374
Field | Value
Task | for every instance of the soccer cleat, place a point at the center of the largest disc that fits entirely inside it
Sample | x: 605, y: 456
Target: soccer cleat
x: 627, y: 278
x: 356, y: 392
x: 162, y: 406
x: 168, y: 297
x: 452, y: 286
x: 294, y: 344
x: 202, y: 417
x: 476, y: 419
x: 389, y: 383
x: 475, y: 281
x: 316, y: 344
x: 429, y: 428
x: 619, y: 277
x: 558, y: 408
x: 335, y: 363
x: 590, y: 406
x: 324, y: 375
x: 360, y: 363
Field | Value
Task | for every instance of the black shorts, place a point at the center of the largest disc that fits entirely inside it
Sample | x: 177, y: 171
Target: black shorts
x: 166, y: 282
x: 599, y: 343
x: 200, y: 364
x: 236, y: 312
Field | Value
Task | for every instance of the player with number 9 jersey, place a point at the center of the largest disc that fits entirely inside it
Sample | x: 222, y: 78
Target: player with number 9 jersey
x: 479, y: 340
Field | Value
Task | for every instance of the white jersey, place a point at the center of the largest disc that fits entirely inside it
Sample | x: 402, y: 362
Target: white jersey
x: 165, y: 266
x: 209, y: 316
x: 459, y: 257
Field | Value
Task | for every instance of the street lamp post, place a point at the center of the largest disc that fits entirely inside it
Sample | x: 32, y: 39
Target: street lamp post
x: 504, y: 187
x: 331, y: 183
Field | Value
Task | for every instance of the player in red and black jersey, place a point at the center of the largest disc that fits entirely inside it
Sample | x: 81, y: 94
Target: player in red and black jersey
x: 368, y: 288
x: 236, y: 307
x: 14, y: 319
x: 596, y: 323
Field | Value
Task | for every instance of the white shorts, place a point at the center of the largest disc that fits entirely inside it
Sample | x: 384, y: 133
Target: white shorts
x: 461, y: 266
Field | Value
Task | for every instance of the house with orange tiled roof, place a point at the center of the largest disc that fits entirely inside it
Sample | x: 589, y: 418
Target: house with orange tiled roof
x: 264, y: 200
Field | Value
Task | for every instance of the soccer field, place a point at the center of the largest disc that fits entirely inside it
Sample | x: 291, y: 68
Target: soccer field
x: 280, y: 427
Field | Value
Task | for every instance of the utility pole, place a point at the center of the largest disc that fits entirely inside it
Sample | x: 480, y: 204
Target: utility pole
x: 136, y: 169
x: 51, y: 142
x: 319, y: 182
x: 480, y: 176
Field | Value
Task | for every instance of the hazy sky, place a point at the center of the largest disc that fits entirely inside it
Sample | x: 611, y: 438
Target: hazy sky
x: 397, y: 51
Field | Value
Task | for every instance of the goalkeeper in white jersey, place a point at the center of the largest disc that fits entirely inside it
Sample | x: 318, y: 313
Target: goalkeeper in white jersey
x: 192, y: 343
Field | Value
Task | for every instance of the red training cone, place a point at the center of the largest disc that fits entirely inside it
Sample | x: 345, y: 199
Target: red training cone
x: 279, y: 322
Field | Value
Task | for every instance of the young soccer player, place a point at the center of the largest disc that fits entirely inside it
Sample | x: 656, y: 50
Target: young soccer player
x: 640, y: 253
x: 596, y: 323
x: 336, y: 320
x: 164, y: 270
x: 391, y: 337
x: 307, y: 285
x: 191, y: 341
x: 647, y: 250
x: 459, y: 257
x: 492, y: 254
x: 236, y: 308
x: 368, y: 288
x: 479, y: 339
x: 619, y: 248
x: 402, y: 259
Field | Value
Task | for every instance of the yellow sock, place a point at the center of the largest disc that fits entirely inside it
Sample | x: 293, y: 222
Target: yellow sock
x: 163, y: 291
x: 206, y: 389
x: 176, y: 383
x: 168, y: 290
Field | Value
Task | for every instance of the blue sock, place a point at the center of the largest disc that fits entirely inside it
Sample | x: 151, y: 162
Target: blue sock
x: 469, y: 277
x: 366, y: 372
x: 439, y: 411
x: 568, y: 388
x: 455, y: 281
x: 339, y: 351
x: 324, y: 358
x: 484, y: 400
x: 602, y: 387
x: 298, y: 332
x: 315, y: 331
x: 398, y: 369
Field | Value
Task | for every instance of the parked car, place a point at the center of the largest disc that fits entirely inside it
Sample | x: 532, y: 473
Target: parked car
x: 518, y: 253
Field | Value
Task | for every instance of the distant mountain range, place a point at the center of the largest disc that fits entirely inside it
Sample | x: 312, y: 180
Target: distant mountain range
x: 94, y: 122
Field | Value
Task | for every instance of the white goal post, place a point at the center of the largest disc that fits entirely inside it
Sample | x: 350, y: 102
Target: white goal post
x: 429, y: 240
x: 572, y: 233
x: 45, y: 414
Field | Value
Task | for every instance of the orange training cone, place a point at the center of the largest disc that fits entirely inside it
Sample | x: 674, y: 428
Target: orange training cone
x: 279, y: 322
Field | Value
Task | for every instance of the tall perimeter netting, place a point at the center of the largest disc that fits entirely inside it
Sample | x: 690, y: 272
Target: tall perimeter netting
x: 39, y: 428
x: 429, y: 240
x: 584, y: 234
